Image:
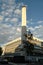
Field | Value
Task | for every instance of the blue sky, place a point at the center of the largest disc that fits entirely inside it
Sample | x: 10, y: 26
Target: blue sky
x: 10, y: 18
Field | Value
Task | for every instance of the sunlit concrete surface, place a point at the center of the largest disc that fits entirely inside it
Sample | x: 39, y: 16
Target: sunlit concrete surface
x: 24, y: 16
x: 11, y: 46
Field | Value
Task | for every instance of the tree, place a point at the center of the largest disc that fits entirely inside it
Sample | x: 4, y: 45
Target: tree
x: 1, y: 51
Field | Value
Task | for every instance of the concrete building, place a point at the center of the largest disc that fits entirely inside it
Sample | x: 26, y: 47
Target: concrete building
x: 23, y: 31
x: 10, y: 47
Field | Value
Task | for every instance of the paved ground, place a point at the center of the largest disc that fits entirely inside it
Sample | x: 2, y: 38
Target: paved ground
x: 23, y: 64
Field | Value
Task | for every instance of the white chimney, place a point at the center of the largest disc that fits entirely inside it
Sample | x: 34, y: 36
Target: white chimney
x: 24, y: 16
x: 23, y: 23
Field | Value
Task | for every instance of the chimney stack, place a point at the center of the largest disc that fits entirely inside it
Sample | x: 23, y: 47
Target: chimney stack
x: 23, y: 15
x: 23, y: 23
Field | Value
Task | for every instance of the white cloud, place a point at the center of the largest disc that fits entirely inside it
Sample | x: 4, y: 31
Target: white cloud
x: 6, y: 13
x: 3, y: 13
x: 18, y: 29
x: 37, y: 27
x: 10, y: 16
x: 3, y: 6
x: 31, y: 19
x: 10, y: 10
x: 30, y: 22
x: 17, y: 11
x: 1, y: 18
x: 11, y: 2
x: 20, y: 4
x: 7, y: 19
x: 14, y: 19
x: 5, y: 26
x: 37, y: 31
x: 31, y: 28
x: 40, y: 22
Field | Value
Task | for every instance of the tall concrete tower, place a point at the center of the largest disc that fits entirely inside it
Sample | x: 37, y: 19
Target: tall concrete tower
x: 23, y: 23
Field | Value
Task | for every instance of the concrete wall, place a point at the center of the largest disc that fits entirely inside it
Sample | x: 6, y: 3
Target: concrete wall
x: 10, y: 48
x: 23, y: 31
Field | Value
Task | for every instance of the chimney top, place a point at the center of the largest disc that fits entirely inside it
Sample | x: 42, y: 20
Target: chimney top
x: 24, y: 6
